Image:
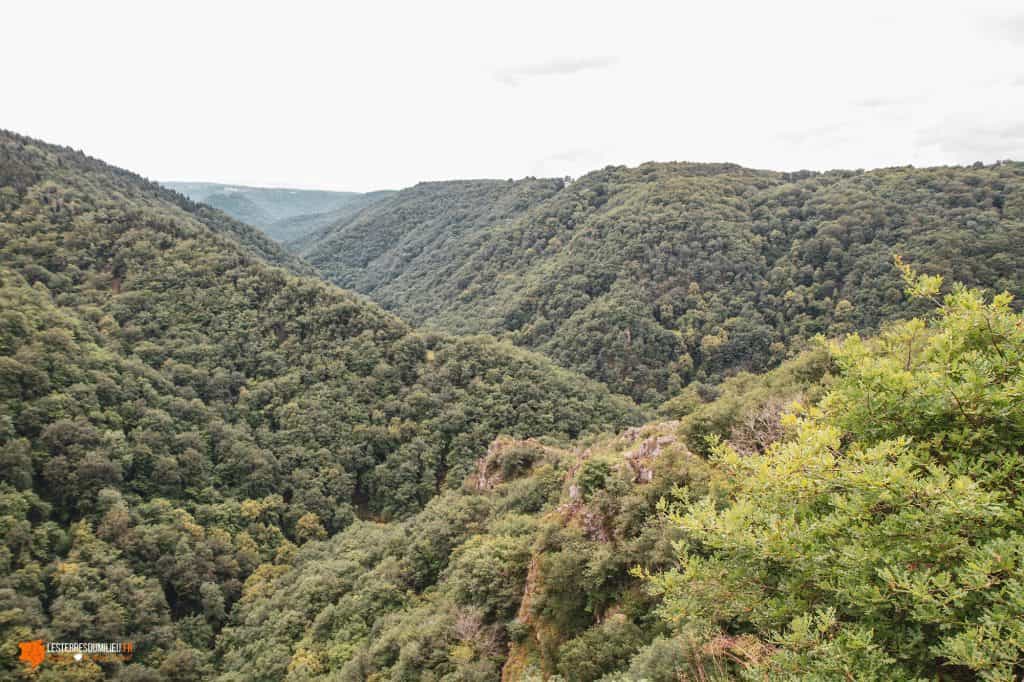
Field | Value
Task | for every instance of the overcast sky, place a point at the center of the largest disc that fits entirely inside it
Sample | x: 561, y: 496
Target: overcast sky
x: 369, y: 95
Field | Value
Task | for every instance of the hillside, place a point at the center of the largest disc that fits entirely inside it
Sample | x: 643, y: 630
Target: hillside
x: 177, y: 414
x: 254, y: 475
x: 283, y: 214
x: 522, y: 572
x: 858, y: 519
x: 294, y: 230
x: 426, y: 224
x: 655, y: 277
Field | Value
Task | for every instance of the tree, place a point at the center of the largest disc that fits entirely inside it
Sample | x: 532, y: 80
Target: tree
x: 885, y: 529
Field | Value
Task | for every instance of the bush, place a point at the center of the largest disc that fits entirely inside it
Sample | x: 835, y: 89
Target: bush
x: 599, y: 650
x: 593, y: 476
x: 886, y: 539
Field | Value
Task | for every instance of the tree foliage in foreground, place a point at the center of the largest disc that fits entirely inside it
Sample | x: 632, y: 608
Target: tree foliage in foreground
x: 885, y: 538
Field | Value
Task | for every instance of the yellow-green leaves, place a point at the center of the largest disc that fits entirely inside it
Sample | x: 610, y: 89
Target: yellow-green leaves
x: 918, y: 285
x: 887, y: 526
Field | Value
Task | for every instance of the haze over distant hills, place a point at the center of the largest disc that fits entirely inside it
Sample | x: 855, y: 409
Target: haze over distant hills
x: 283, y: 214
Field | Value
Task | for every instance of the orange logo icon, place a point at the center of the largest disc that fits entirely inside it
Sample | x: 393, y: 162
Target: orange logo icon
x: 32, y: 652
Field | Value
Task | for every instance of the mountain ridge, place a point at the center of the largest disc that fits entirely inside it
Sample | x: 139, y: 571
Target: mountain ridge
x: 252, y: 474
x: 686, y: 272
x: 177, y: 412
x: 284, y: 214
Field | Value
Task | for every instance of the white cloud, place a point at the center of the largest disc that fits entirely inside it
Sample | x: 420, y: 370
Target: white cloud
x: 384, y: 94
x: 514, y: 75
x: 967, y: 141
x: 1006, y: 26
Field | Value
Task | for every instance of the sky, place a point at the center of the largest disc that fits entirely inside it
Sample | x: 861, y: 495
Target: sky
x: 374, y: 95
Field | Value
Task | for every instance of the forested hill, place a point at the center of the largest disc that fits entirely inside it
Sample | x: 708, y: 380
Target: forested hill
x: 174, y: 411
x: 427, y: 224
x: 653, y: 277
x: 26, y: 163
x: 294, y: 229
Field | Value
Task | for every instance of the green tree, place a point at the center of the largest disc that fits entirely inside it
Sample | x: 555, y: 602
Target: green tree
x: 885, y: 530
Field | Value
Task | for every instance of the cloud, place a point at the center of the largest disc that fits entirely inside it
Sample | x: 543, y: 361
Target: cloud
x: 832, y: 132
x: 1009, y: 28
x: 966, y: 144
x: 571, y: 161
x: 572, y: 155
x: 514, y: 75
x: 886, y: 101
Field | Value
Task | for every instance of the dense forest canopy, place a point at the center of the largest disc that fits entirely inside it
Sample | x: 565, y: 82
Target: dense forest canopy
x: 254, y: 475
x: 859, y: 518
x: 655, y: 277
x: 175, y: 411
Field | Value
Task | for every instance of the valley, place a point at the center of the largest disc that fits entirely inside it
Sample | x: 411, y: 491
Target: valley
x: 654, y: 278
x: 672, y: 422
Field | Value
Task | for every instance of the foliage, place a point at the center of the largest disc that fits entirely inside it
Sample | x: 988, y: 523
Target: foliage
x: 884, y: 539
x: 653, y: 277
x: 449, y: 591
x: 593, y: 477
x: 283, y: 214
x: 256, y: 476
x: 178, y: 417
x: 746, y: 409
x: 599, y: 650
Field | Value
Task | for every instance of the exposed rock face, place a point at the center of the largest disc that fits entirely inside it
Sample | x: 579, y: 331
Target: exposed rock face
x: 486, y: 477
x: 506, y: 458
x: 595, y: 525
x: 575, y: 495
x: 516, y: 661
x: 631, y: 434
x: 639, y: 459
